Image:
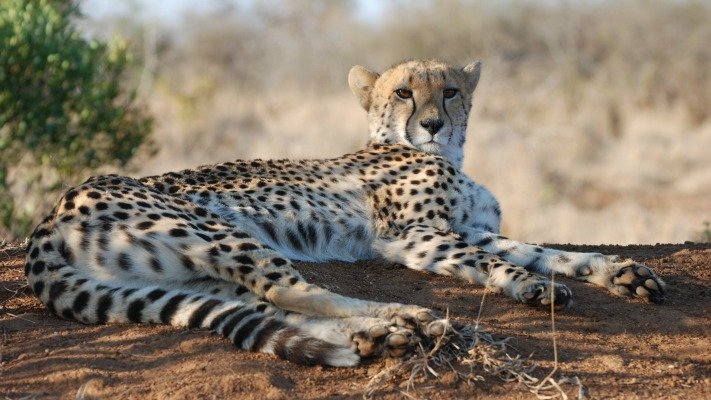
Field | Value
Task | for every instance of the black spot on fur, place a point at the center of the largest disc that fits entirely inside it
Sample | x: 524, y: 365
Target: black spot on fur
x: 145, y: 225
x: 103, y: 307
x: 38, y: 288
x: 187, y: 263
x: 244, y: 331
x: 170, y: 308
x: 234, y: 320
x: 248, y: 246
x: 80, y: 302
x: 156, y: 294
x: 56, y: 289
x: 156, y: 265
x: 66, y: 253
x: 274, y: 276
x: 121, y: 215
x: 135, y: 310
x: 38, y: 267
x: 279, y: 261
x: 124, y: 261
x: 222, y: 316
x: 243, y: 259
x: 178, y: 232
x: 268, y: 330
x: 34, y: 253
x: 484, y: 241
x: 199, y: 315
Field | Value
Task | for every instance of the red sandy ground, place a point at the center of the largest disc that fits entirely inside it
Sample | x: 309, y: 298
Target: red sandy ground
x: 618, y: 348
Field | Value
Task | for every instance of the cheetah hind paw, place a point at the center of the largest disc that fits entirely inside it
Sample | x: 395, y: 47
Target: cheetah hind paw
x: 637, y: 280
x: 422, y: 321
x: 377, y: 340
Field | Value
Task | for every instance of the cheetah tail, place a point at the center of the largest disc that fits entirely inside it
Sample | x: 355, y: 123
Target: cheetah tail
x: 250, y: 326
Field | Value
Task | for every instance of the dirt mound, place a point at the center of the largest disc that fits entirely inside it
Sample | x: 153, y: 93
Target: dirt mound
x: 618, y: 348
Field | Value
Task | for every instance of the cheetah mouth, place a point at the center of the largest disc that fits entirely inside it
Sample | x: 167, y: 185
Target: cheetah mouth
x: 430, y: 147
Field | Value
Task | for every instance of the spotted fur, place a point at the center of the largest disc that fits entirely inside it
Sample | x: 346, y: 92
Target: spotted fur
x: 212, y: 247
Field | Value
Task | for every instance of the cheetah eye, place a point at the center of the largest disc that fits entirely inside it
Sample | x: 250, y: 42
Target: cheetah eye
x: 403, y: 93
x: 449, y: 93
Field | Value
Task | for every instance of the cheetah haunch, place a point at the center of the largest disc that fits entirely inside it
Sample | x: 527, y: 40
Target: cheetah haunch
x: 212, y: 247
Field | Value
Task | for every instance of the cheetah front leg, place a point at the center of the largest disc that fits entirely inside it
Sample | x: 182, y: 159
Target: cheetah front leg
x: 618, y: 275
x: 427, y: 248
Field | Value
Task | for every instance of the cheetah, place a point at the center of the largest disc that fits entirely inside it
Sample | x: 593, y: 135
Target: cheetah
x: 212, y: 247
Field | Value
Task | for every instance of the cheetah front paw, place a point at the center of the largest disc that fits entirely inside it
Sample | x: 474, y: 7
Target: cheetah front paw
x: 383, y: 339
x: 637, y: 280
x: 539, y: 294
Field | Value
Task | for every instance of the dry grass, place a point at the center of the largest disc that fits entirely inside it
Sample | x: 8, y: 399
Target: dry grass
x: 471, y: 355
x: 9, y: 249
x: 11, y: 289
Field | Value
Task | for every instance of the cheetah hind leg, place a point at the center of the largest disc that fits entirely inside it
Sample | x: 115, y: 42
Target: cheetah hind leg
x: 389, y: 329
x: 312, y: 300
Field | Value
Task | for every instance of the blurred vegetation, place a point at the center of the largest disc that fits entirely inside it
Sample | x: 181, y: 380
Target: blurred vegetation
x: 62, y: 108
x: 704, y: 235
x: 641, y: 53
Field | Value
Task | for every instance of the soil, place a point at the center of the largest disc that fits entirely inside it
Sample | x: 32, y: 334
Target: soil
x: 618, y: 348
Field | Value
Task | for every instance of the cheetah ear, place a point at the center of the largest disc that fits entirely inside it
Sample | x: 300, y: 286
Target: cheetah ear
x: 472, y: 72
x: 361, y: 81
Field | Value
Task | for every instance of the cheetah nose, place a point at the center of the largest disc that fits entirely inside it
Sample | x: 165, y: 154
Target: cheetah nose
x: 432, y: 125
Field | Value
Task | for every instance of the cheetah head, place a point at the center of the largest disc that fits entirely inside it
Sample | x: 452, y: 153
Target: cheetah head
x: 422, y: 104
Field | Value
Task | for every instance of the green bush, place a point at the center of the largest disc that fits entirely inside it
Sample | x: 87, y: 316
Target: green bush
x: 61, y: 102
